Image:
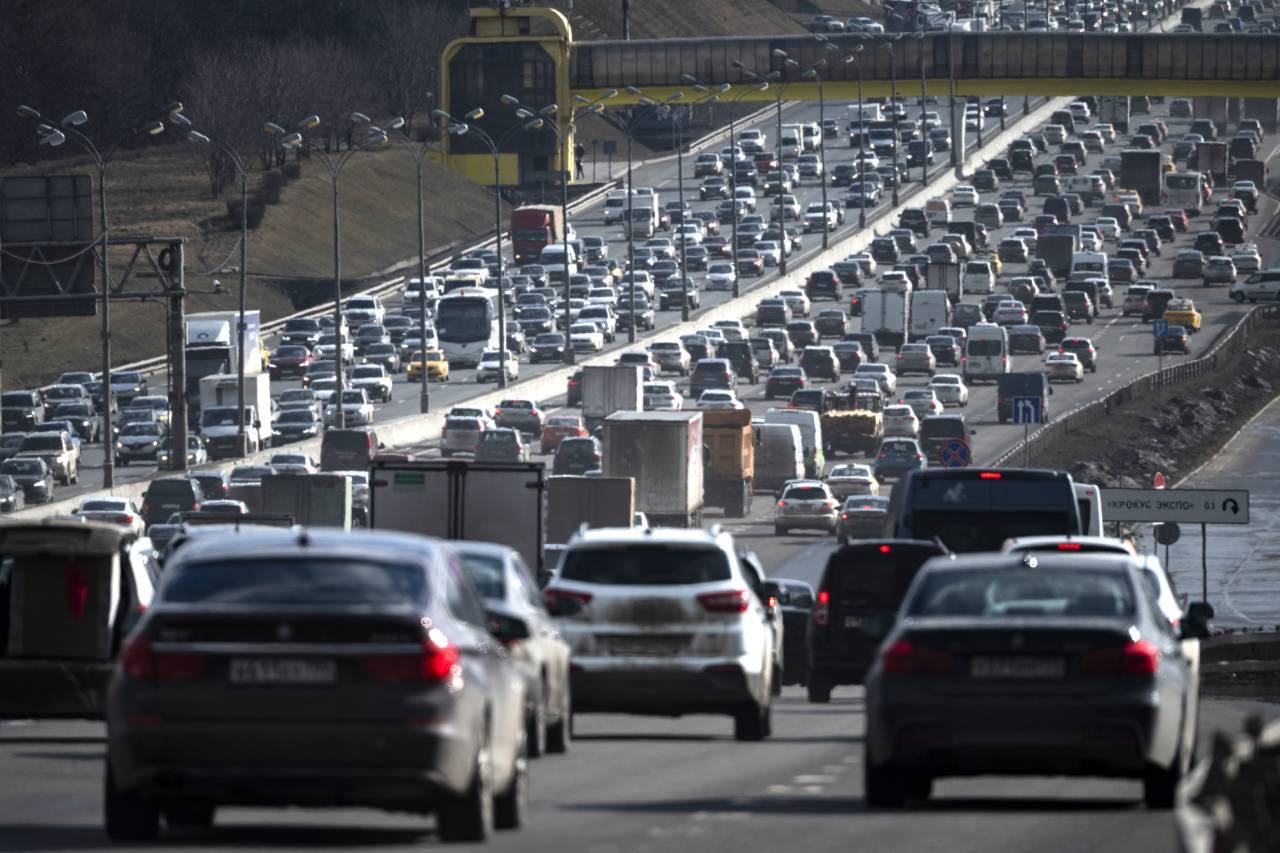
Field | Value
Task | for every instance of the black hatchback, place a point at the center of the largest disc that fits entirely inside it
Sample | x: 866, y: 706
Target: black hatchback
x: 858, y: 598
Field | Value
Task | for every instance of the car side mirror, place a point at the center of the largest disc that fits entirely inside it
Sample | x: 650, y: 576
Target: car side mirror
x: 1195, y: 622
x: 562, y: 606
x: 507, y: 628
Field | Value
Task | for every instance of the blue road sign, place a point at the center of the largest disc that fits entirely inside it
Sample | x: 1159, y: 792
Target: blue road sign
x: 954, y: 454
x: 1159, y: 328
x: 1026, y: 410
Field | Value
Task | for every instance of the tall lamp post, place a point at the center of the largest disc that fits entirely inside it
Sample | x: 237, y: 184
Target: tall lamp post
x: 856, y: 58
x: 419, y: 154
x: 709, y: 96
x: 543, y: 119
x: 53, y: 134
x: 813, y: 73
x: 458, y: 127
x: 334, y: 163
x: 760, y: 86
x: 924, y: 107
x: 893, y: 100
x: 628, y: 126
x: 775, y: 76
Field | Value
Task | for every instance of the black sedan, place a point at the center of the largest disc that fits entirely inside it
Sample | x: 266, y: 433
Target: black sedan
x: 794, y: 599
x: 316, y: 668
x: 784, y: 381
x: 1019, y: 664
x: 547, y: 347
x: 1175, y: 339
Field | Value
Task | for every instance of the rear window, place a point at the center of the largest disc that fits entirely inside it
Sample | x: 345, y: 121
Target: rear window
x: 485, y: 572
x: 986, y: 346
x: 975, y: 514
x: 805, y: 493
x: 1022, y: 593
x: 295, y: 582
x: 645, y: 565
x: 942, y: 427
x: 171, y: 490
x: 346, y: 440
x: 873, y: 576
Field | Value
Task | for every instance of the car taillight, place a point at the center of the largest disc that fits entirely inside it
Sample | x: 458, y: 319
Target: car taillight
x: 436, y: 661
x: 551, y: 596
x: 844, y: 516
x: 1068, y: 546
x: 142, y: 663
x: 1137, y: 657
x: 905, y: 658
x: 730, y: 601
x: 821, y: 610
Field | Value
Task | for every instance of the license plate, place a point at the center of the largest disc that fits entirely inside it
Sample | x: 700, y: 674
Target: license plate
x: 853, y: 621
x: 283, y: 671
x: 1019, y: 666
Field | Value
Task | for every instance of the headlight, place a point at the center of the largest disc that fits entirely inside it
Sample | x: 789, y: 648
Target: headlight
x: 120, y: 444
x: 37, y: 484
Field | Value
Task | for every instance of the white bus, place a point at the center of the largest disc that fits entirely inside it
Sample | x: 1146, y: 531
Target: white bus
x: 467, y: 325
x: 1182, y: 190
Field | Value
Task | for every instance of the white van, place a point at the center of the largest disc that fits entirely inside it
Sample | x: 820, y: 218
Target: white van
x: 552, y: 257
x: 615, y: 207
x: 930, y: 311
x: 1093, y: 263
x: 978, y: 277
x: 1090, y: 188
x: 986, y: 352
x: 779, y: 456
x: 1089, y: 500
x: 938, y: 212
x: 810, y: 425
x: 811, y: 136
x: 791, y: 142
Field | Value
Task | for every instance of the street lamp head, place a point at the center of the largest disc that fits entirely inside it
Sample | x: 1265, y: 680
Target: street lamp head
x: 582, y: 99
x: 763, y: 86
x: 780, y: 53
x: 819, y: 37
x: 633, y: 90
x: 218, y: 289
x: 441, y: 115
x: 810, y: 74
x: 197, y: 136
x: 510, y: 100
x: 25, y: 111
x: 594, y: 108
x: 774, y: 75
x: 724, y: 87
x: 790, y: 63
x: 738, y: 64
x: 523, y: 113
x: 180, y: 120
x: 476, y: 114
x: 831, y: 47
x: 75, y: 119
x: 689, y: 78
x: 174, y: 109
x: 359, y: 118
x: 273, y: 129
x: 395, y: 124
x: 536, y: 124
x: 673, y: 97
x: 292, y: 140
x: 53, y: 138
x: 153, y: 128
x: 548, y: 111
x: 612, y: 93
x: 309, y: 123
x: 458, y: 128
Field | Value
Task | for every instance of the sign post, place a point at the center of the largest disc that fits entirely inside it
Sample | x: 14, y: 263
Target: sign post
x: 1027, y: 411
x: 1160, y: 328
x: 953, y: 454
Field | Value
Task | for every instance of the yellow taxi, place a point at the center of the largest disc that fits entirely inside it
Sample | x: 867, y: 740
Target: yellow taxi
x: 437, y: 367
x: 1182, y: 312
x: 992, y: 258
x: 266, y: 358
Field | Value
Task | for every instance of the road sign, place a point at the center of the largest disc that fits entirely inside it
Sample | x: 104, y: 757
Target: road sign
x: 954, y: 454
x: 1157, y: 482
x: 610, y: 147
x: 1159, y: 328
x: 1168, y: 533
x: 1026, y: 410
x: 1194, y: 506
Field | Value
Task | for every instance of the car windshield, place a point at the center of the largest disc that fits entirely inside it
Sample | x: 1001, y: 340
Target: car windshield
x: 22, y: 466
x: 297, y: 416
x: 645, y: 565
x: 1020, y: 594
x: 293, y: 582
x: 150, y: 429
x: 486, y: 572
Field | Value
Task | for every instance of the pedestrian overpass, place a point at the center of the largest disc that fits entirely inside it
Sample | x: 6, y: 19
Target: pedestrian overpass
x: 529, y: 52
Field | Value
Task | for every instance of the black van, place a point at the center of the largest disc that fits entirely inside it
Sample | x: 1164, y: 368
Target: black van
x: 859, y: 595
x: 1059, y: 207
x: 937, y: 430
x: 1064, y: 118
x: 348, y: 449
x: 168, y: 495
x: 974, y: 232
x: 1230, y: 229
x: 1121, y: 214
x: 977, y: 509
x: 1011, y: 385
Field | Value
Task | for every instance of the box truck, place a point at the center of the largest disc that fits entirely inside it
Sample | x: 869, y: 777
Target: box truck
x: 219, y: 424
x: 610, y: 388
x: 729, y: 467
x: 212, y: 348
x: 662, y: 452
x: 884, y: 314
x: 534, y: 226
x: 593, y: 501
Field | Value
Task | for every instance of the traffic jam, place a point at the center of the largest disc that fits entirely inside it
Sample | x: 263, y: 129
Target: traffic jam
x: 344, y: 630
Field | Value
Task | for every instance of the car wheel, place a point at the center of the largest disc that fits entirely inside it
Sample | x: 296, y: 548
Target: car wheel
x: 558, y: 734
x: 819, y: 690
x: 753, y: 721
x: 509, y: 806
x: 129, y: 817
x: 190, y: 815
x: 468, y: 816
x: 535, y: 724
x: 882, y: 786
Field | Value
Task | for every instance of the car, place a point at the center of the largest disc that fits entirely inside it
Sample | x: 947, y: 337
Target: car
x: 1026, y: 339
x: 1219, y: 269
x: 140, y: 441
x: 662, y: 396
x: 1084, y: 350
x: 520, y: 414
x: 501, y: 444
x: 716, y: 399
x: 1247, y: 259
x: 374, y: 380
x: 950, y: 390
x: 964, y: 195
x: 670, y: 357
x: 915, y: 358
x: 901, y: 421
x: 720, y: 276
x: 852, y: 480
x: 560, y: 428
x: 466, y: 763
x: 923, y: 401
x: 1182, y: 312
x: 883, y: 376
x: 807, y: 505
x: 1013, y: 250
x: 897, y: 457
x: 32, y: 476
x: 609, y: 577
x: 111, y: 510
x: 357, y: 410
x: 1063, y: 367
x: 783, y: 381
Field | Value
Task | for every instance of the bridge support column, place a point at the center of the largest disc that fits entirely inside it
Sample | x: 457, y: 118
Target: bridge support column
x: 1265, y: 110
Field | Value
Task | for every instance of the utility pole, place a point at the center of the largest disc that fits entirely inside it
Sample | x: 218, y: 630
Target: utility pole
x: 626, y: 20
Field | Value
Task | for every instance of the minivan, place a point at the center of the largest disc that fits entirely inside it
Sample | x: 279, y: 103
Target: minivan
x: 779, y: 456
x: 986, y: 352
x: 810, y: 425
x: 939, y: 211
x: 168, y: 495
x: 1121, y: 214
x: 348, y: 449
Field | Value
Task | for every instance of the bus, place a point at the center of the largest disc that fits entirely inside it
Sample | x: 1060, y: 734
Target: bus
x: 977, y: 509
x: 467, y: 325
x: 1183, y: 190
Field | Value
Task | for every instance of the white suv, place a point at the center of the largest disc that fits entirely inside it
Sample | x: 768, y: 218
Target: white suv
x: 666, y: 622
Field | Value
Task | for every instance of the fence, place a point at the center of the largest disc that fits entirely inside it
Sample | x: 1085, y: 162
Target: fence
x: 1227, y: 345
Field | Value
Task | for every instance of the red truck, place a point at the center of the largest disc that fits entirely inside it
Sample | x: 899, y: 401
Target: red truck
x: 533, y: 227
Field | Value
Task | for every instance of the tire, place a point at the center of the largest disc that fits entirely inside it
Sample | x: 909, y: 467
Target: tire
x: 128, y: 816
x: 510, y: 805
x: 1160, y: 785
x: 819, y: 690
x: 190, y: 815
x: 752, y: 722
x: 468, y: 816
x: 779, y: 531
x: 882, y: 786
x: 559, y: 735
x: 535, y: 726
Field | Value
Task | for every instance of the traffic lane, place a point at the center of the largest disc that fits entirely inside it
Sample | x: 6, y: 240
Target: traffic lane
x: 1242, y: 582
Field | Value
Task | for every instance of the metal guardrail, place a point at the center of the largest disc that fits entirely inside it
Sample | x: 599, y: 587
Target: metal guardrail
x: 1227, y: 345
x: 1231, y: 801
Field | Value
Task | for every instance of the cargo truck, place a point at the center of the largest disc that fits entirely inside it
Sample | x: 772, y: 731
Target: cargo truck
x: 477, y: 501
x: 219, y: 425
x: 853, y: 431
x: 1114, y: 109
x: 212, y: 348
x: 534, y: 226
x: 1057, y: 250
x: 1140, y: 171
x: 884, y: 314
x: 729, y: 473
x: 944, y: 277
x: 1251, y: 170
x: 1211, y: 158
x: 610, y: 388
x: 316, y: 500
x: 662, y: 452
x: 592, y: 501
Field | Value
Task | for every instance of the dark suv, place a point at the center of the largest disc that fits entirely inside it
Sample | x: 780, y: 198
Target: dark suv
x: 858, y: 598
x: 577, y: 456
x: 915, y: 219
x: 741, y: 359
x: 168, y: 495
x: 710, y: 373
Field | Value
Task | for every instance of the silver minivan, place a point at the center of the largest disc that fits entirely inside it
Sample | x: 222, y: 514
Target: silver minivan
x: 779, y: 456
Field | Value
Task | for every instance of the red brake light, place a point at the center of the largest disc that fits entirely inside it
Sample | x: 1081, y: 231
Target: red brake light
x: 904, y: 658
x: 991, y: 475
x: 844, y: 516
x: 1068, y: 546
x: 773, y: 601
x: 731, y: 601
x: 782, y: 503
x: 886, y: 549
x: 820, y: 611
x: 142, y: 663
x: 1140, y: 657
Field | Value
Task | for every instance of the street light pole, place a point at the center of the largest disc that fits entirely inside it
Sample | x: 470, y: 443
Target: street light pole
x: 924, y: 107
x: 763, y: 84
x: 54, y: 134
x: 419, y: 155
x: 862, y: 141
x: 709, y: 97
x: 893, y: 101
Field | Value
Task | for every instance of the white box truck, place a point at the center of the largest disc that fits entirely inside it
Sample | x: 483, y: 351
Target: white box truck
x: 662, y: 452
x: 212, y: 348
x: 610, y: 388
x: 885, y: 314
x: 930, y: 311
x: 219, y: 424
